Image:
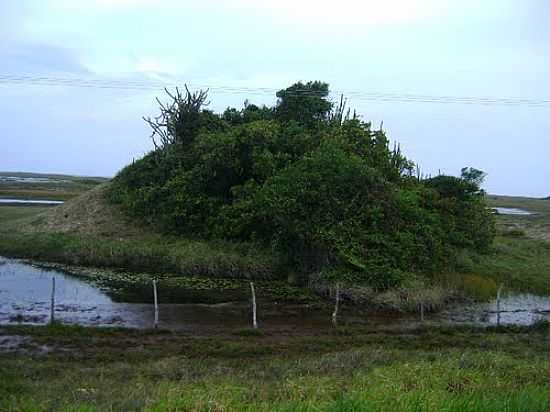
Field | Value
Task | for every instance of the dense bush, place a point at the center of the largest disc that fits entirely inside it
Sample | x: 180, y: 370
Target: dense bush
x: 322, y: 188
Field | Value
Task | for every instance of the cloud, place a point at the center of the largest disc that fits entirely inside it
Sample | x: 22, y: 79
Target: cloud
x: 39, y: 58
x: 372, y: 12
x: 149, y: 65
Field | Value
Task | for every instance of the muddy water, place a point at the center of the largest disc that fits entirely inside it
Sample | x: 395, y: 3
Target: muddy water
x: 25, y: 293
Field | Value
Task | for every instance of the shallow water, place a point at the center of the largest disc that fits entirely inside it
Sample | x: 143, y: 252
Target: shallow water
x: 25, y: 293
x: 30, y: 202
x: 515, y: 309
x: 512, y: 211
x: 17, y: 179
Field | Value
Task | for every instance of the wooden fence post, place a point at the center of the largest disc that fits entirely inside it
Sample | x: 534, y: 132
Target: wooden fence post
x: 337, y: 301
x: 254, y: 320
x: 52, y: 307
x: 156, y: 304
x: 498, y: 304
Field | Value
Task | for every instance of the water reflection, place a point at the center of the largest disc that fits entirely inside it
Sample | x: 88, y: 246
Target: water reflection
x: 25, y: 292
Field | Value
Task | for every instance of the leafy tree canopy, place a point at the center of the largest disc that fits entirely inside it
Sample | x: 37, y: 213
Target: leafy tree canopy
x: 323, y: 189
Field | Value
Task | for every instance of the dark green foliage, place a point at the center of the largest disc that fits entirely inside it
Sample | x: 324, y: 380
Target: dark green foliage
x: 328, y: 196
x: 304, y: 103
x: 250, y: 113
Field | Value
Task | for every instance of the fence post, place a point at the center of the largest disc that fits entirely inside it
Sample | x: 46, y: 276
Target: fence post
x: 498, y: 304
x: 52, y: 306
x: 337, y: 301
x: 421, y: 311
x: 156, y: 304
x: 254, y: 320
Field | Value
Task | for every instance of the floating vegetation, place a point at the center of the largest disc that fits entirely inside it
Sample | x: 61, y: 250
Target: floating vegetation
x: 124, y: 286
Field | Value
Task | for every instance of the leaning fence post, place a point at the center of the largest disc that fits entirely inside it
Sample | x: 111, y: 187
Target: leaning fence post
x: 498, y: 304
x: 335, y: 313
x: 254, y: 320
x: 52, y: 307
x: 156, y: 304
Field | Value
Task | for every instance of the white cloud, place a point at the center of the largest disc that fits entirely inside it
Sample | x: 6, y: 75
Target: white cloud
x: 370, y: 12
x: 297, y: 11
x: 150, y: 65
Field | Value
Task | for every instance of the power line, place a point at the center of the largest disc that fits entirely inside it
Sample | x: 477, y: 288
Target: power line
x: 145, y: 85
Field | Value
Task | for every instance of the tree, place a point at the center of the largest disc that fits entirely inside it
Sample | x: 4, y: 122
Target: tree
x: 473, y: 175
x: 305, y: 103
x: 319, y: 186
x: 179, y: 119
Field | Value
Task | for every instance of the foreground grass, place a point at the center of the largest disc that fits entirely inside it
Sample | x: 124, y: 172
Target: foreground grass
x: 346, y: 370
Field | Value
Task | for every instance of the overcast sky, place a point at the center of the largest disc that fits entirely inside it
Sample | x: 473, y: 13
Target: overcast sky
x: 459, y: 48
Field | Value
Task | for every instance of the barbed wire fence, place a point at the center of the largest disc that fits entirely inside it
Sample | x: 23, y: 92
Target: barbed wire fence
x: 74, y: 301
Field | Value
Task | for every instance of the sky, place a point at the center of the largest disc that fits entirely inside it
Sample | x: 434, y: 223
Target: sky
x: 76, y: 77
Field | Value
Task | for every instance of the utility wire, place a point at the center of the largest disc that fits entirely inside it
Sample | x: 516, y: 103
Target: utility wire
x: 145, y: 85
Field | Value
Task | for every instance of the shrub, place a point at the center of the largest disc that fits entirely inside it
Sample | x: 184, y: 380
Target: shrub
x: 322, y: 189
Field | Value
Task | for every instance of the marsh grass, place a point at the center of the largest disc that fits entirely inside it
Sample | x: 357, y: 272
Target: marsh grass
x: 480, y: 288
x: 153, y: 254
x: 452, y: 369
x: 13, y: 213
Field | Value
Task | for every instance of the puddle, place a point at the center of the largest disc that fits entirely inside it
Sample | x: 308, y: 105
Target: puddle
x: 519, y: 309
x: 30, y: 202
x: 512, y: 211
x: 25, y: 293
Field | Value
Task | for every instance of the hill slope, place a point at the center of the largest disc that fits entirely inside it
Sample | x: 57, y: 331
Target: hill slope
x: 87, y: 214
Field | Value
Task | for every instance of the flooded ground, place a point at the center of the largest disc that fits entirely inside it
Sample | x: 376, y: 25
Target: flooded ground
x: 25, y: 296
x: 29, y: 202
x: 20, y: 179
x: 512, y: 211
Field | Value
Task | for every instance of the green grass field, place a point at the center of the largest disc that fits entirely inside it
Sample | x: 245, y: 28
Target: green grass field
x: 343, y: 370
x: 11, y: 213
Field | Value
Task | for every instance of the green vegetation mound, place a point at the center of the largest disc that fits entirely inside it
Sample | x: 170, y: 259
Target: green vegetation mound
x: 308, y: 179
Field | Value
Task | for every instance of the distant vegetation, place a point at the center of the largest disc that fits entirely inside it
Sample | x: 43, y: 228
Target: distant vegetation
x: 309, y: 179
x: 23, y: 185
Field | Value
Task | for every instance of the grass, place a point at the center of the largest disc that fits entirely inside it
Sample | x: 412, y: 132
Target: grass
x: 521, y: 264
x: 42, y: 194
x: 59, y: 187
x: 11, y: 213
x: 153, y: 254
x: 441, y: 369
x: 536, y: 226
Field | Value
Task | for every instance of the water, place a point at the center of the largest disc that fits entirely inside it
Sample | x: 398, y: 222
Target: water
x: 17, y: 179
x: 25, y: 293
x: 515, y: 309
x: 512, y: 211
x: 30, y: 202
